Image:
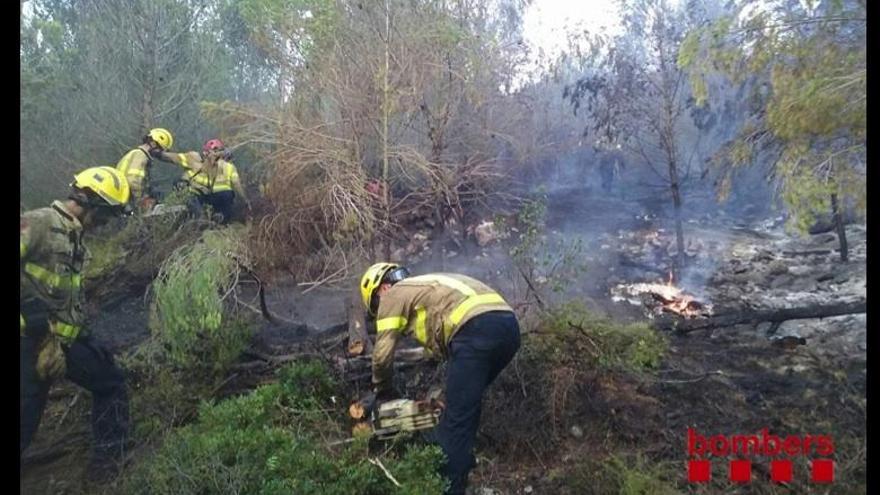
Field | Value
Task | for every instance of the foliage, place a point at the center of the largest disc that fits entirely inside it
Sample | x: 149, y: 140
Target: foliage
x: 96, y: 75
x: 195, y: 324
x: 541, y: 263
x: 402, y: 95
x: 619, y: 475
x: 572, y: 364
x: 572, y: 330
x: 267, y: 442
x: 810, y: 119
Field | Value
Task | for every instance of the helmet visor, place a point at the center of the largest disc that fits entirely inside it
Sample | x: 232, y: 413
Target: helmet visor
x: 395, y: 275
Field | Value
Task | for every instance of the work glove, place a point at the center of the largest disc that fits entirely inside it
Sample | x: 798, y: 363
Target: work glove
x: 51, y: 361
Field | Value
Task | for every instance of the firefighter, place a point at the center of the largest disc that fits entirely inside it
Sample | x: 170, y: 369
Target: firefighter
x: 211, y: 177
x: 137, y: 163
x: 53, y: 341
x: 455, y: 317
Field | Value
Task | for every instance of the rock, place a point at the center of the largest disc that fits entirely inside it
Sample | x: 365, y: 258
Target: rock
x: 576, y: 431
x: 527, y: 489
x: 803, y: 285
x: 781, y: 281
x: 824, y: 238
x: 787, y: 342
x: 777, y: 268
x: 800, y: 271
x: 763, y: 327
x: 821, y: 227
x: 486, y: 233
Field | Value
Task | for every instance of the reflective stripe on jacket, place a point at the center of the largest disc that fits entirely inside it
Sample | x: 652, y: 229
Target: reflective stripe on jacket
x: 431, y: 308
x: 135, y: 165
x: 204, y: 181
x: 52, y: 261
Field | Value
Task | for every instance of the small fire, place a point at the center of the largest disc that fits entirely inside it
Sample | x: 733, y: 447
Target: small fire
x: 668, y: 298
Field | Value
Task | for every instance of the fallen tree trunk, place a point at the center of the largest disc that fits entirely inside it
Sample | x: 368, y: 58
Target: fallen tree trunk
x: 680, y: 325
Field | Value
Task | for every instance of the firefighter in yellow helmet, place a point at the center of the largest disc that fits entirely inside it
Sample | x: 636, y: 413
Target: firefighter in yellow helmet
x: 453, y: 316
x: 211, y: 176
x: 138, y: 162
x: 53, y: 341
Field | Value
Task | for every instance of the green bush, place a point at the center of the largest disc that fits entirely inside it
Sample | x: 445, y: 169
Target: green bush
x: 194, y: 324
x: 617, y: 475
x: 571, y: 331
x: 273, y: 441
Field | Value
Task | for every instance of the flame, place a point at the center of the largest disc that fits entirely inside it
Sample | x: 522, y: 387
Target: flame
x: 670, y: 299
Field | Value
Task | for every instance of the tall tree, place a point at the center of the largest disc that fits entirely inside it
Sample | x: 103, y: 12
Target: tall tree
x: 638, y: 97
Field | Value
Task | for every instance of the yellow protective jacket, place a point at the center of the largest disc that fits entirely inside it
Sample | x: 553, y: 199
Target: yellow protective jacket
x: 51, y: 265
x: 135, y: 165
x: 204, y: 179
x: 431, y: 308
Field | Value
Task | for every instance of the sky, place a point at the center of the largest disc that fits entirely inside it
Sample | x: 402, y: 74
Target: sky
x: 547, y: 24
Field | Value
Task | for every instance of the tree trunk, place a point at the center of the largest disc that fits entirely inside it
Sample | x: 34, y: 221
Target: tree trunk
x: 841, y: 228
x: 678, y: 263
x: 385, y: 111
x: 756, y: 316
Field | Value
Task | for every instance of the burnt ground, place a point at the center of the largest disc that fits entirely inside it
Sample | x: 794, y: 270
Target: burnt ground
x: 728, y: 380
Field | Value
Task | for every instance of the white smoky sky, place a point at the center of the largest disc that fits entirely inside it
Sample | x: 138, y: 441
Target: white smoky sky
x: 548, y: 23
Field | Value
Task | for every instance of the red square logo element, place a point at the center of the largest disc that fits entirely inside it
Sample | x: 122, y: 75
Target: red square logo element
x: 780, y: 471
x: 741, y: 471
x: 699, y: 471
x: 823, y: 470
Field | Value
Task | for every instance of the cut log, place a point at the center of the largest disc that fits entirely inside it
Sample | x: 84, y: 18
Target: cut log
x: 680, y: 325
x: 361, y: 429
x: 356, y: 410
x: 355, y: 348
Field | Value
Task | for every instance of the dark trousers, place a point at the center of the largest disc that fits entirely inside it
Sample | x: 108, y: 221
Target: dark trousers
x: 221, y: 202
x: 90, y: 366
x: 477, y: 353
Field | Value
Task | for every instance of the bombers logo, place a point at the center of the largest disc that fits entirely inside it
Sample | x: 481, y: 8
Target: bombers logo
x: 780, y: 452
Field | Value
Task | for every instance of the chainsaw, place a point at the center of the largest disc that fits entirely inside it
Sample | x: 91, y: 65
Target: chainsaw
x: 398, y: 416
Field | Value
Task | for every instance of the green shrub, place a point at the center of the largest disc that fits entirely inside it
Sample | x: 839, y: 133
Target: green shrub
x: 194, y: 324
x: 571, y: 331
x: 616, y: 475
x: 267, y: 442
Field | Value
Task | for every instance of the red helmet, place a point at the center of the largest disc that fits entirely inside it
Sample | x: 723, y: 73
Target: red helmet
x: 212, y: 145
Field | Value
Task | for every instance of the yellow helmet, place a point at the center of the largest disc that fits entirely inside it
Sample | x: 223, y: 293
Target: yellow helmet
x: 373, y: 278
x: 162, y: 137
x: 106, y: 182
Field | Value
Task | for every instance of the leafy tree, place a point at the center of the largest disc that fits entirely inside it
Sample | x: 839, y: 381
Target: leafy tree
x: 638, y: 98
x: 810, y: 113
